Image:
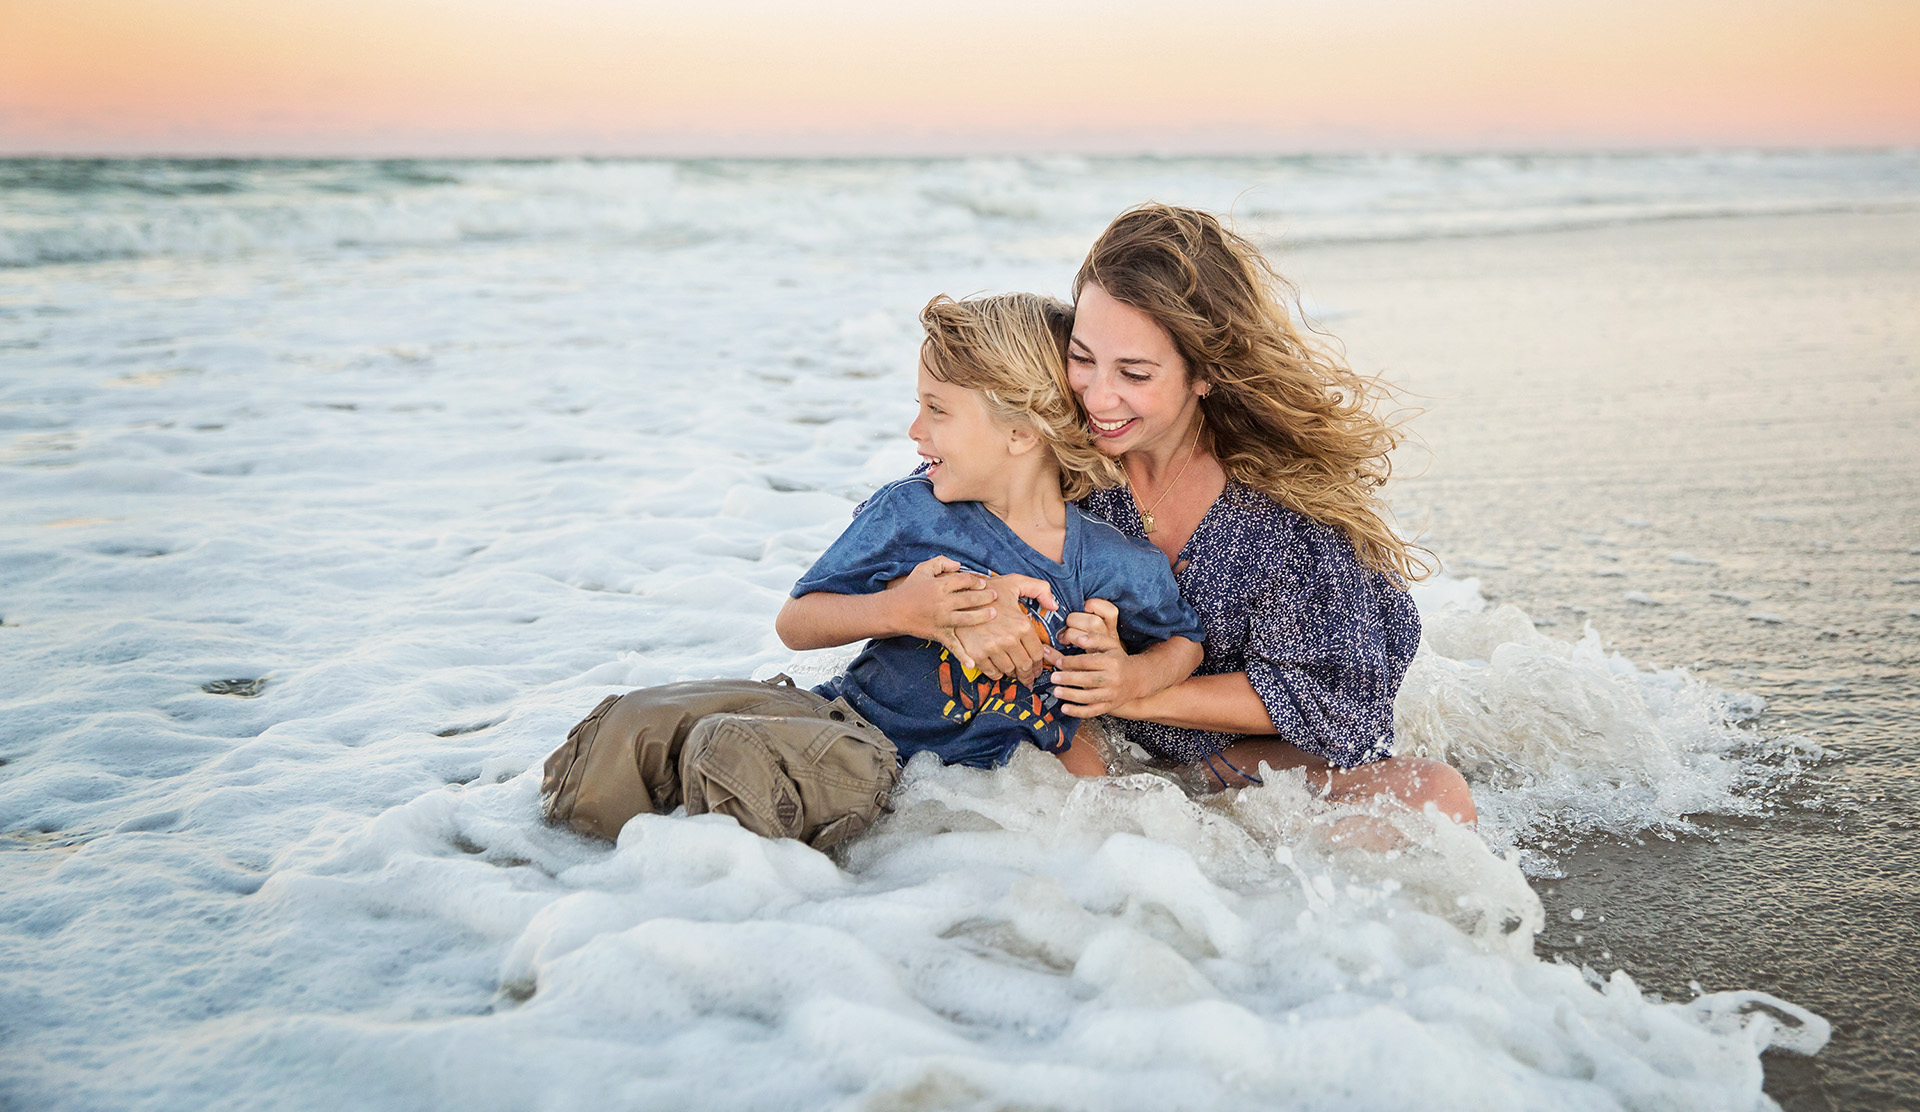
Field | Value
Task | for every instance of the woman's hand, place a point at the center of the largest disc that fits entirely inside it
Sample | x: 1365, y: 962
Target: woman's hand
x: 1008, y: 642
x: 1102, y: 676
x: 1105, y: 678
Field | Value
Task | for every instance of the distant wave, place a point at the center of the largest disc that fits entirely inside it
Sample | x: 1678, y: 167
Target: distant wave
x: 56, y: 211
x: 186, y: 177
x: 1573, y: 221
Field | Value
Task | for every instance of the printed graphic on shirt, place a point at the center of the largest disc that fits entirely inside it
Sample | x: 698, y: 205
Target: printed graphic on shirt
x: 969, y: 693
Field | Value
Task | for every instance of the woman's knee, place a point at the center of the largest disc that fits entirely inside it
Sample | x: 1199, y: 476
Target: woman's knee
x: 1413, y: 781
x: 1440, y: 784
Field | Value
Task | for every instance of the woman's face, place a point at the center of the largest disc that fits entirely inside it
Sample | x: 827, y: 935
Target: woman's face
x: 1130, y: 377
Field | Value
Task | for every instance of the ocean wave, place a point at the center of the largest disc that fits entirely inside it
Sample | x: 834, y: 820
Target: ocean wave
x: 1562, y: 739
x: 77, y: 211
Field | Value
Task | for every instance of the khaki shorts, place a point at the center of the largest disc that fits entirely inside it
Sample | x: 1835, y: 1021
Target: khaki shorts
x: 784, y: 762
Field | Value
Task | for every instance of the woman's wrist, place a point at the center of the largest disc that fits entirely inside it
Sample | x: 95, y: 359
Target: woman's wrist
x: 1161, y: 668
x: 1140, y: 708
x: 1136, y: 679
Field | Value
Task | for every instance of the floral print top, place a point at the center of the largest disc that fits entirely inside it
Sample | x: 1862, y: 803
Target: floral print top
x: 1323, y: 638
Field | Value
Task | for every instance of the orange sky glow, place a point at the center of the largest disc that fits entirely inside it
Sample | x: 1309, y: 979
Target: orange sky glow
x: 504, y: 77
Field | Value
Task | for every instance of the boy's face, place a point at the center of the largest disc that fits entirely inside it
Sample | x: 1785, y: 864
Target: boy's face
x: 967, y: 453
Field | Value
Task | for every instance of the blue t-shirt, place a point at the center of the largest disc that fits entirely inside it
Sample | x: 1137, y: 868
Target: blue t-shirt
x: 914, y: 690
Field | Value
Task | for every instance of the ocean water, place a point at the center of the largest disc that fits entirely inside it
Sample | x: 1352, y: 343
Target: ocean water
x: 335, y: 492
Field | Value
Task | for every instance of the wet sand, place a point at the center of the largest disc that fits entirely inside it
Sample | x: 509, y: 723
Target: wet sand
x: 1702, y: 436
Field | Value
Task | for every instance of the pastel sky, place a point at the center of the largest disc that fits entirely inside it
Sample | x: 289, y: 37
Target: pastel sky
x: 488, y: 77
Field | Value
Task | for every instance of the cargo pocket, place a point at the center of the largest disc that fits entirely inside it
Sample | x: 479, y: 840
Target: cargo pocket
x: 845, y: 774
x: 820, y: 778
x: 732, y: 765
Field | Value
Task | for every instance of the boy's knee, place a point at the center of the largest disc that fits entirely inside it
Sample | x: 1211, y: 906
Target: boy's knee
x: 811, y: 778
x: 625, y: 757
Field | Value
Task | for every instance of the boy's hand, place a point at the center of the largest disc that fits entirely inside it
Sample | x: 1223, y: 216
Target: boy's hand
x: 1009, y: 643
x: 937, y: 598
x: 1101, y: 677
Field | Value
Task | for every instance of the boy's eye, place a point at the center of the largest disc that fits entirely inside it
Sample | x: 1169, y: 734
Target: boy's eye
x: 1076, y: 357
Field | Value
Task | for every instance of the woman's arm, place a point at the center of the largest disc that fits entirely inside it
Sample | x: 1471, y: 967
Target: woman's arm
x: 1155, y: 685
x: 1225, y: 703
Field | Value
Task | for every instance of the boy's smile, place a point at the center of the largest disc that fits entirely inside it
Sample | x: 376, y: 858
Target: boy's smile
x: 972, y: 455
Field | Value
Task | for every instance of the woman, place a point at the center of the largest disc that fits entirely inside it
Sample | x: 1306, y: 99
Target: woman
x: 1253, y: 459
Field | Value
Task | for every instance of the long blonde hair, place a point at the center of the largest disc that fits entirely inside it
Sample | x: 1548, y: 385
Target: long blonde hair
x: 1011, y: 349
x: 1286, y: 416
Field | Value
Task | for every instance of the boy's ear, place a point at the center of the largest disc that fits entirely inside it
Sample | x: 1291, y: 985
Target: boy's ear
x: 1021, y: 440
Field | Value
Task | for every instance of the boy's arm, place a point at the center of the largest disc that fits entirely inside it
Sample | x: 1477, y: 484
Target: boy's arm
x: 929, y: 602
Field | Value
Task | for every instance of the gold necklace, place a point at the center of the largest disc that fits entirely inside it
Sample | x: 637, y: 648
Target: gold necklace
x: 1146, y: 515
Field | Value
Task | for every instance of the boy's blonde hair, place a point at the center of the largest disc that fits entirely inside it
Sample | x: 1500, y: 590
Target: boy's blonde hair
x: 1011, y: 348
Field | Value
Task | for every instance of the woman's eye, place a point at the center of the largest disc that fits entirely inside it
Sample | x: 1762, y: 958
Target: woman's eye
x: 1135, y: 376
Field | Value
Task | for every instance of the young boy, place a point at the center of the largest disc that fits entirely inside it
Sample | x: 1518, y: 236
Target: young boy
x: 1005, y: 447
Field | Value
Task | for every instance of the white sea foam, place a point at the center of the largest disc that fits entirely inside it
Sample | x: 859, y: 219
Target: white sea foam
x: 1563, y: 737
x: 305, y: 568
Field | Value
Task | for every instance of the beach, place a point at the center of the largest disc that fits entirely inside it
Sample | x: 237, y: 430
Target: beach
x: 1699, y: 436
x: 336, y: 492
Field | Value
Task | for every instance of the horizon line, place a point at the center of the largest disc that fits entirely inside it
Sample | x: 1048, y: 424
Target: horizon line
x: 1411, y: 151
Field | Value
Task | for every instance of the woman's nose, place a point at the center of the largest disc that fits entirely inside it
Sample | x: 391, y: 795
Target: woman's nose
x: 1098, y: 395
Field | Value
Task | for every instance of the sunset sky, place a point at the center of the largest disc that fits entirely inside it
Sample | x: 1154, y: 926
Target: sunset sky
x: 485, y: 77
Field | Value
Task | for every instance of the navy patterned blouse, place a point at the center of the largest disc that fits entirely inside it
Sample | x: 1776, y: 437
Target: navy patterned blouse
x: 1323, y: 638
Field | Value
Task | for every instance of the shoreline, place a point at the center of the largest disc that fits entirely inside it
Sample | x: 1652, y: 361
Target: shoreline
x: 1699, y: 437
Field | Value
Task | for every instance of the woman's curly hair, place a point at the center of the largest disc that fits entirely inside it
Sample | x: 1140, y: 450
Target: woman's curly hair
x: 1286, y: 416
x: 1011, y: 348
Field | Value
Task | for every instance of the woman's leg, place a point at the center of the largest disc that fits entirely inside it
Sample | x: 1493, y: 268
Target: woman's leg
x: 1414, y: 781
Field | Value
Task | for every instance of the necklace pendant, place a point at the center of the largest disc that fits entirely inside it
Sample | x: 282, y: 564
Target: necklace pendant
x: 1146, y: 521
